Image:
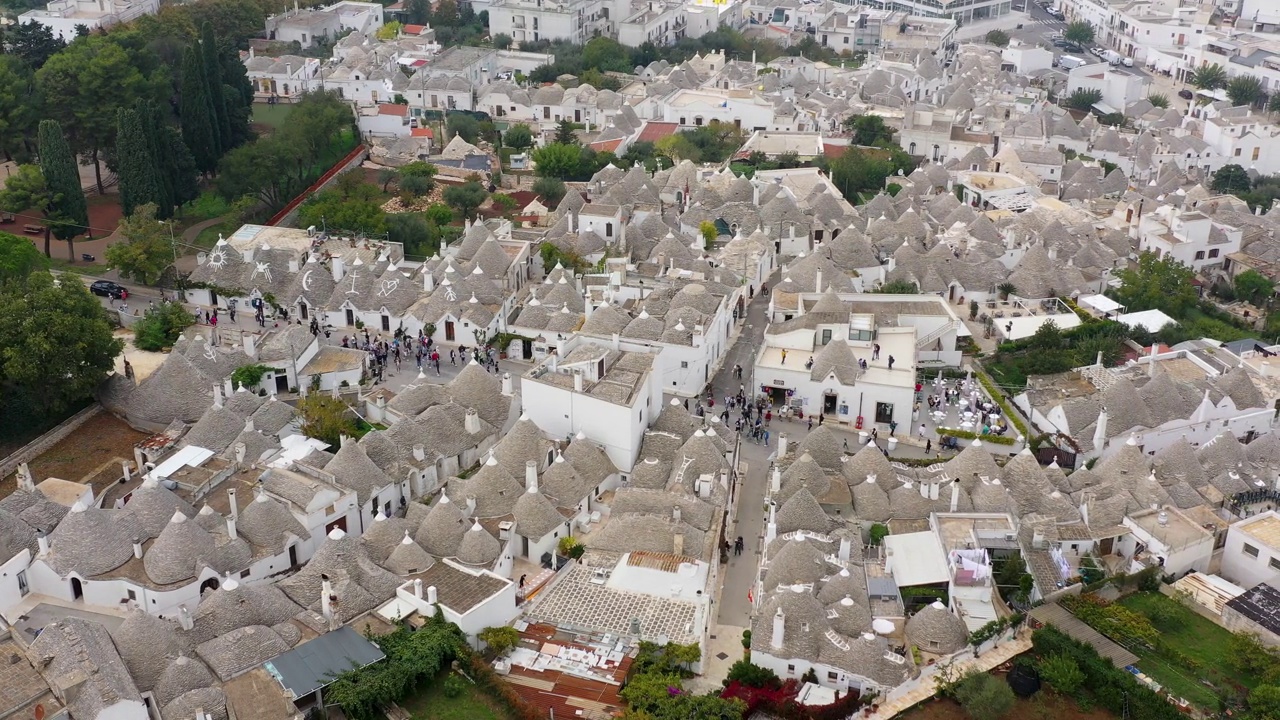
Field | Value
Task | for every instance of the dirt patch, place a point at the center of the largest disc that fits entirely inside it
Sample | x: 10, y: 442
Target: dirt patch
x: 84, y: 453
x: 1043, y: 705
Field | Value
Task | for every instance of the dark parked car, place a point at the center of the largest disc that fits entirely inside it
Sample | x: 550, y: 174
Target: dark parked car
x: 1186, y: 94
x: 106, y: 288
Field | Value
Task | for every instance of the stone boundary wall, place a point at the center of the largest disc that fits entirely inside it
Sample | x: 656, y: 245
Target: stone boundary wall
x: 33, y: 449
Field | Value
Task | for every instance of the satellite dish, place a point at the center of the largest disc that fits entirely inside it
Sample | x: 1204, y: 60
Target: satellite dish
x: 882, y: 626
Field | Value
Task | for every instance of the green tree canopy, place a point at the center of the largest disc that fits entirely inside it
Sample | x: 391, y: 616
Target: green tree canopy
x: 140, y: 181
x: 19, y: 106
x: 351, y: 206
x: 464, y: 126
x: 465, y: 198
x: 606, y: 54
x: 19, y: 258
x: 565, y: 133
x: 999, y: 38
x: 159, y: 329
x: 1157, y: 283
x: 56, y: 345
x: 62, y: 177
x: 500, y: 638
x: 1158, y: 100
x: 1264, y: 701
x: 413, y: 230
x: 198, y: 120
x: 1231, y: 179
x: 557, y: 160
x: 325, y: 418
x: 1084, y: 98
x: 1079, y: 32
x: 1209, y: 77
x: 551, y: 190
x: 26, y: 190
x: 1246, y: 90
x: 88, y: 82
x: 147, y: 248
x: 861, y: 171
x: 1254, y: 287
x: 518, y: 137
x: 868, y: 129
x: 33, y: 42
x: 418, y: 168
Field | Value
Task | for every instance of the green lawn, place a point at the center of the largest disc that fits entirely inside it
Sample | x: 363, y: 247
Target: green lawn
x: 273, y: 115
x: 430, y: 703
x: 1198, y: 639
x: 209, y: 236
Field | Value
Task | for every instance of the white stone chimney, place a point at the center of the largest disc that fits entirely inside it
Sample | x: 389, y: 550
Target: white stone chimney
x: 428, y: 282
x: 846, y: 547
x: 506, y: 384
x: 231, y: 527
x: 471, y: 505
x: 955, y: 495
x: 338, y: 269
x: 577, y: 382
x: 779, y: 630
x: 127, y: 470
x: 677, y: 543
x: 771, y: 529
x: 675, y: 514
x: 231, y: 497
x: 432, y: 597
x: 783, y: 443
x: 25, y: 480
x: 217, y: 395
x: 934, y: 489
x: 43, y: 541
x: 531, y: 476
x: 184, y: 618
x: 137, y: 548
x: 248, y: 424
x: 327, y: 598
x: 775, y: 482
x: 472, y: 422
x: 241, y: 450
x: 417, y: 588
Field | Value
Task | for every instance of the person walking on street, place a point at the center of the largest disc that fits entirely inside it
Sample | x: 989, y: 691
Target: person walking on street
x: 890, y: 362
x: 928, y: 446
x: 893, y: 427
x: 810, y: 423
x: 921, y: 429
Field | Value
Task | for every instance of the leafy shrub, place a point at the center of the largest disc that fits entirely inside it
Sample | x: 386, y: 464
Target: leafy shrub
x: 500, y: 638
x: 454, y: 686
x: 751, y: 675
x: 1061, y: 672
x: 161, y: 326
x: 984, y: 697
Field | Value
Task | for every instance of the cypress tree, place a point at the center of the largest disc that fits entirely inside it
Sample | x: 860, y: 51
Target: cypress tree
x: 153, y: 127
x: 182, y: 166
x: 239, y: 94
x: 213, y: 87
x: 140, y: 181
x: 63, y: 180
x: 197, y: 116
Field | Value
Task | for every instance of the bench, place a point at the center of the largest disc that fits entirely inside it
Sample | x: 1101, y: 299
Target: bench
x: 33, y: 229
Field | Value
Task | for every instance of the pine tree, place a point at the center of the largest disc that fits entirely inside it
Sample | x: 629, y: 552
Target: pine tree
x: 197, y: 116
x: 61, y: 176
x: 140, y: 181
x: 213, y: 87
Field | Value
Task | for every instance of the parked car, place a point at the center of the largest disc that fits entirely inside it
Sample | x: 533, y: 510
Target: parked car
x: 106, y: 288
x: 1128, y: 61
x: 1186, y: 94
x: 1097, y: 52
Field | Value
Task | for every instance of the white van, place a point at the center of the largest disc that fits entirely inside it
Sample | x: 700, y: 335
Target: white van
x: 1070, y: 62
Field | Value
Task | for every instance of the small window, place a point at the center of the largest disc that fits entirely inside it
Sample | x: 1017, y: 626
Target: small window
x: 134, y: 596
x: 933, y: 644
x: 1256, y: 151
x: 1213, y: 253
x: 1199, y: 254
x: 804, y: 627
x: 245, y: 573
x: 1250, y: 550
x: 1237, y: 152
x: 791, y: 669
x: 1274, y: 563
x: 684, y: 364
x: 831, y: 674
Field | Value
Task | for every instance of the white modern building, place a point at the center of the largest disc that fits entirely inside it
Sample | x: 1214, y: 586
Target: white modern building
x: 63, y: 16
x: 1252, y: 552
x: 309, y: 26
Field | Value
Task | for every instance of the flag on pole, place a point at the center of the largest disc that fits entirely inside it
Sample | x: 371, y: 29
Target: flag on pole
x: 750, y: 598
